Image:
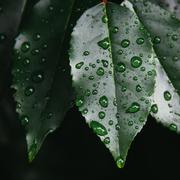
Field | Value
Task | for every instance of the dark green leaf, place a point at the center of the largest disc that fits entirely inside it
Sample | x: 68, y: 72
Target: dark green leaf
x: 165, y: 32
x: 41, y: 70
x: 113, y: 73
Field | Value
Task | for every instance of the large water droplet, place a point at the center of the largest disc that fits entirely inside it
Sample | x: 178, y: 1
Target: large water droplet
x: 120, y: 162
x: 136, y: 62
x: 98, y: 128
x: 167, y: 96
x: 104, y: 43
x: 103, y: 101
x: 135, y: 107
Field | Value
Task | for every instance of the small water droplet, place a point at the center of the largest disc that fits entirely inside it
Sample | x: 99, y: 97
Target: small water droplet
x: 25, y: 47
x: 125, y: 43
x: 37, y: 77
x: 85, y: 111
x: 37, y: 37
x: 115, y: 29
x: 130, y: 123
x: 104, y: 19
x: 26, y: 61
x: 79, y: 102
x: 111, y: 122
x: 135, y: 107
x: 101, y: 114
x: 103, y: 101
x: 29, y: 91
x: 79, y: 65
x: 106, y: 140
x: 174, y: 37
x: 140, y: 41
x: 154, y: 108
x: 138, y: 88
x: 98, y: 128
x: 167, y: 96
x: 173, y: 127
x: 104, y: 43
x: 24, y: 120
x: 100, y: 71
x: 86, y: 53
x: 136, y: 62
x: 2, y: 37
x: 105, y: 63
x: 120, y: 67
x: 157, y: 40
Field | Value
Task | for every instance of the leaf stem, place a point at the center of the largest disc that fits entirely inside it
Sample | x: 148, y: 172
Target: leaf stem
x: 104, y: 1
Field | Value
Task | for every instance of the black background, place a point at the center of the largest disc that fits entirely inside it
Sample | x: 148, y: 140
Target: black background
x: 74, y: 152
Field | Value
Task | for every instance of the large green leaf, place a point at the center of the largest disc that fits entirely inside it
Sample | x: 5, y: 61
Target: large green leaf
x: 41, y: 70
x: 165, y: 32
x: 113, y: 74
x: 10, y: 17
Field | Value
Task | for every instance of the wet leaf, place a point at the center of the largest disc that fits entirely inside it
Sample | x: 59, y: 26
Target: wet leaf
x: 41, y: 70
x: 165, y: 32
x: 113, y: 74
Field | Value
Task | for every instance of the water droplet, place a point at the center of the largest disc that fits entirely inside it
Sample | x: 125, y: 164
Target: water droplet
x: 100, y: 71
x: 106, y: 140
x: 117, y: 127
x: 115, y: 29
x: 135, y: 107
x: 120, y: 52
x: 26, y: 61
x: 85, y: 111
x: 120, y: 67
x: 29, y: 91
x: 105, y: 63
x: 140, y: 41
x: 154, y: 108
x: 2, y: 38
x: 157, y: 40
x: 94, y: 92
x: 51, y: 8
x: 25, y: 47
x: 120, y: 162
x: 98, y: 128
x: 175, y: 58
x: 167, y: 96
x: 91, y: 77
x: 37, y: 37
x: 173, y: 127
x: 123, y: 89
x: 174, y: 37
x: 35, y: 52
x: 104, y: 19
x: 125, y: 43
x: 111, y: 122
x: 37, y: 77
x: 79, y: 102
x: 86, y: 53
x: 136, y: 62
x: 79, y: 65
x: 104, y: 43
x: 130, y: 123
x: 138, y: 88
x: 101, y: 114
x: 103, y: 101
x: 24, y: 120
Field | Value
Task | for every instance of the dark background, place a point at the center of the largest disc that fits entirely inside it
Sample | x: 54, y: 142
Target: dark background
x: 74, y: 152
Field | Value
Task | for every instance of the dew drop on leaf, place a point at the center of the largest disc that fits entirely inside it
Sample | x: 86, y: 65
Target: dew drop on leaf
x: 135, y: 107
x: 167, y: 96
x: 110, y: 122
x: 98, y: 128
x: 136, y: 62
x: 29, y: 91
x: 104, y: 19
x: 106, y: 140
x: 79, y: 65
x: 120, y: 67
x: 105, y: 63
x: 125, y: 43
x: 37, y: 77
x: 103, y: 101
x: 174, y: 37
x: 154, y: 108
x: 100, y: 71
x: 138, y: 88
x: 24, y: 120
x: 25, y: 47
x: 157, y: 40
x: 2, y: 37
x: 173, y: 127
x: 140, y: 41
x: 104, y: 43
x: 26, y: 61
x: 86, y: 53
x: 120, y: 162
x: 115, y: 29
x: 79, y: 102
x: 101, y: 114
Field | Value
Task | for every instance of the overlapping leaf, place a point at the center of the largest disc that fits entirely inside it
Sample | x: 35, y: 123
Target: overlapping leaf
x: 41, y: 72
x: 113, y: 74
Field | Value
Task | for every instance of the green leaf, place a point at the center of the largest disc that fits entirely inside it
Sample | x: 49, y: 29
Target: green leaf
x: 113, y: 74
x: 10, y: 17
x: 41, y: 69
x: 165, y: 32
